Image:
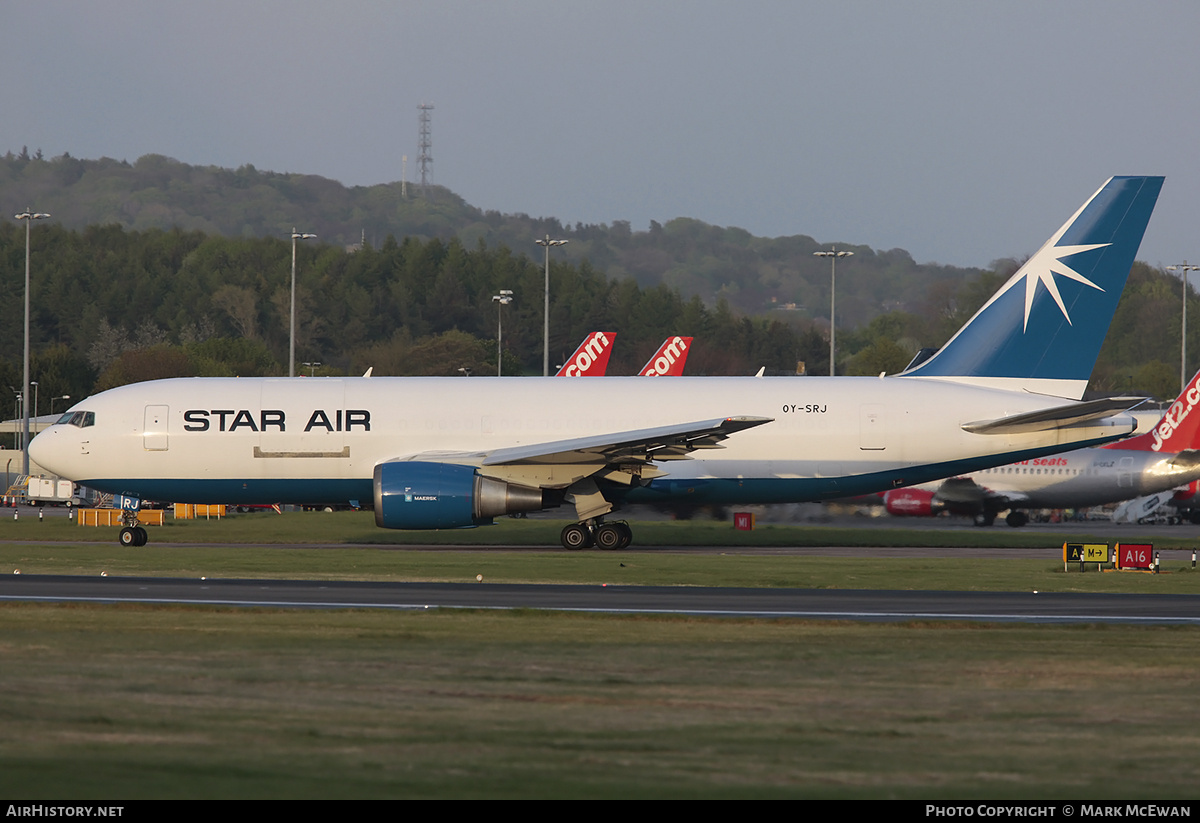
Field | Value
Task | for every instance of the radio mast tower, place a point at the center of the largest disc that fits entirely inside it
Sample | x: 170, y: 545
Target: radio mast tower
x: 425, y: 159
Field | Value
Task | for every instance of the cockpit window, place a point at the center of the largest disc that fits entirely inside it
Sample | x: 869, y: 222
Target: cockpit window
x: 82, y: 419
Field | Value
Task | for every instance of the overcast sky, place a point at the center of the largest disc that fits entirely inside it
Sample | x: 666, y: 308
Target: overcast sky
x: 961, y: 131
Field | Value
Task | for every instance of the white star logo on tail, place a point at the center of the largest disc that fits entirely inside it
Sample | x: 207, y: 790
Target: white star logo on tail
x: 1042, y: 267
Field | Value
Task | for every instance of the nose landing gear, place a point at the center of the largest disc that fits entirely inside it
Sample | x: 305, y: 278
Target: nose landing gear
x: 133, y: 536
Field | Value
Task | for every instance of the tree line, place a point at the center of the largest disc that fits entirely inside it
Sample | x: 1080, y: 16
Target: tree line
x: 220, y: 305
x: 753, y: 274
x: 111, y: 306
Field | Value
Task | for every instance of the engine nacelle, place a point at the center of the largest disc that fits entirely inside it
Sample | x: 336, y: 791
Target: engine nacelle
x: 911, y: 503
x: 414, y: 495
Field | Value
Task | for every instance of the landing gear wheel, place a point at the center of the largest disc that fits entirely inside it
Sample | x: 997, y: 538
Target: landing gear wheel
x: 611, y: 536
x: 1016, y: 519
x: 134, y: 536
x: 627, y: 535
x: 576, y: 536
x: 985, y: 519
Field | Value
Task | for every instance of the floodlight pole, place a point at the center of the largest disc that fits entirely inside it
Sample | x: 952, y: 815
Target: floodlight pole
x: 547, y: 243
x: 1184, y: 268
x: 28, y: 216
x: 833, y: 258
x: 292, y: 335
x: 501, y: 300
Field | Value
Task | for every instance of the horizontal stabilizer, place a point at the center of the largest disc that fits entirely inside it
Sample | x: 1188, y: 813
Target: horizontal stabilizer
x: 1178, y: 430
x: 1054, y: 418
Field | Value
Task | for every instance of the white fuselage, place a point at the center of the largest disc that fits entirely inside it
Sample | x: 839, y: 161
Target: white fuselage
x: 296, y: 439
x: 1087, y: 477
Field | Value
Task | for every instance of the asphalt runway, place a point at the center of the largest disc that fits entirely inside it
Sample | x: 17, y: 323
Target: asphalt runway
x: 822, y: 604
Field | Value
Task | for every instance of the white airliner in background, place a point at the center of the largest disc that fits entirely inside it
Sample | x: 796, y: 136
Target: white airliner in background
x: 434, y: 453
x: 1148, y: 465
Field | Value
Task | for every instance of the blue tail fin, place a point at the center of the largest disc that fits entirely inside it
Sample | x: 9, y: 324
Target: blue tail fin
x: 1043, y: 329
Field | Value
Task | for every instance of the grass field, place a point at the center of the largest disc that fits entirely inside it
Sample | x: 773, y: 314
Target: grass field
x: 127, y: 702
x: 359, y: 528
x: 135, y: 702
x: 335, y: 546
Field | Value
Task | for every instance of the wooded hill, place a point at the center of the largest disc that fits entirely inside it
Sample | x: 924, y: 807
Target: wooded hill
x: 753, y: 274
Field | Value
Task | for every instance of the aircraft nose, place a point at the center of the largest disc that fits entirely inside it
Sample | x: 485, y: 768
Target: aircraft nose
x: 43, y: 452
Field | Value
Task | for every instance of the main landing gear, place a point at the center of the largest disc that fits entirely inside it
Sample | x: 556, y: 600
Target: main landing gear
x: 606, y: 536
x: 1016, y: 519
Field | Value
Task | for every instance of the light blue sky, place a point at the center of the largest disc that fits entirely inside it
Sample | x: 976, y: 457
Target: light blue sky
x: 961, y: 131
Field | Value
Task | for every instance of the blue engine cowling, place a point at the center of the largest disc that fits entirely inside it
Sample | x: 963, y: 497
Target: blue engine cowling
x: 415, y: 495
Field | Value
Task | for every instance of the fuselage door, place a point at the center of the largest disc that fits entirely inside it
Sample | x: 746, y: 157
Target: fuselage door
x: 1125, y: 473
x: 872, y: 434
x: 154, y: 431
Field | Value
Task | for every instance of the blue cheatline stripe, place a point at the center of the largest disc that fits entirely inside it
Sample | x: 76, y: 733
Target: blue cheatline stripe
x: 665, y: 490
x: 313, y: 491
x: 815, y: 489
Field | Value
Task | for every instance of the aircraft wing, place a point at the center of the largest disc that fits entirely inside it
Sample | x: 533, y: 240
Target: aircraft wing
x: 674, y: 442
x: 1054, y: 418
x: 620, y: 456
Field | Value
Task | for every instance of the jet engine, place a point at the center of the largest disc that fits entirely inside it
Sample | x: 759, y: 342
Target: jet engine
x: 417, y: 495
x: 911, y: 503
